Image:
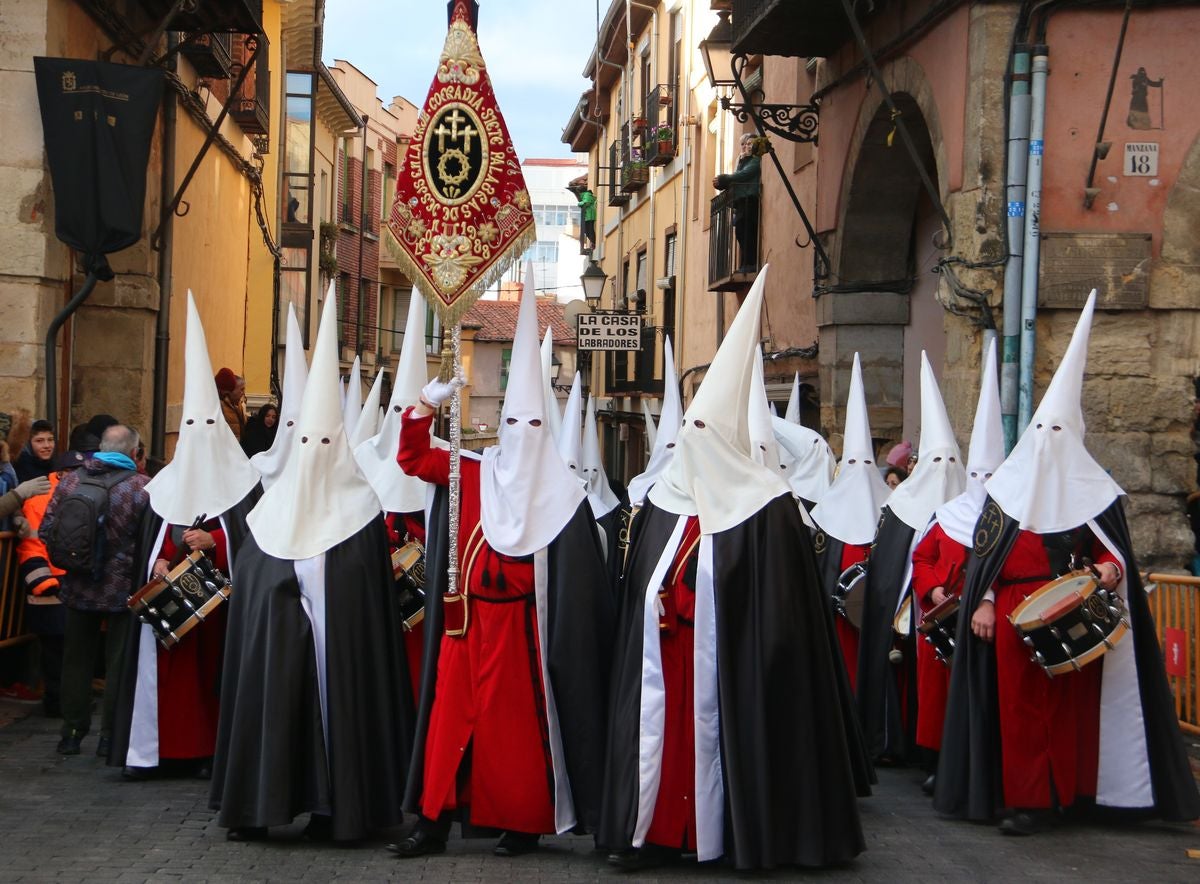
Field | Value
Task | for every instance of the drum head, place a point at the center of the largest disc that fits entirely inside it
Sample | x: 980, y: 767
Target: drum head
x: 1052, y: 596
x: 902, y: 623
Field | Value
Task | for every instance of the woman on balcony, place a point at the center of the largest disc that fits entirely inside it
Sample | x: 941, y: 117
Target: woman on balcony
x: 743, y: 187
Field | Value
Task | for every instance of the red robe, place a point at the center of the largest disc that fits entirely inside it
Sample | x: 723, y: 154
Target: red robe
x: 847, y: 635
x: 489, y: 710
x: 674, y: 821
x: 1049, y: 727
x: 941, y: 561
x: 189, y: 674
x: 403, y: 527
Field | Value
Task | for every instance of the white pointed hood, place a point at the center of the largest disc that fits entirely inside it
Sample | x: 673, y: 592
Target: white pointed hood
x: 209, y: 472
x: 792, y: 415
x: 849, y: 510
x: 670, y: 417
x: 1050, y: 482
x: 399, y: 492
x: 651, y: 428
x: 553, y: 415
x: 568, y: 442
x: 806, y: 460
x: 352, y: 404
x: 270, y: 463
x: 526, y: 493
x: 958, y: 516
x: 763, y: 446
x: 322, y: 498
x: 712, y: 474
x: 940, y: 475
x: 600, y: 493
x: 368, y: 419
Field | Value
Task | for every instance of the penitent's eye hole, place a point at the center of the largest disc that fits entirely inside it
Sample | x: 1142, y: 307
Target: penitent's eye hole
x: 937, y: 460
x: 304, y: 440
x: 510, y: 421
x: 868, y: 462
x: 325, y: 441
x: 670, y: 444
x: 210, y: 421
x: 291, y: 423
x: 1056, y: 428
x: 852, y: 460
x: 699, y: 424
x: 535, y: 423
x: 974, y: 474
x: 1039, y: 426
x: 396, y: 408
x: 953, y: 460
x: 189, y: 422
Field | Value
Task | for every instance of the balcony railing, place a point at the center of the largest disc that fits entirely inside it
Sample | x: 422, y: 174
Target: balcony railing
x: 251, y: 107
x: 659, y: 132
x: 239, y: 16
x: 733, y: 240
x: 805, y: 28
x: 209, y: 54
x: 616, y: 154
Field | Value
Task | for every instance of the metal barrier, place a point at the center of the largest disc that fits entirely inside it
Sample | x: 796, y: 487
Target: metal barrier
x: 12, y: 594
x: 1175, y: 603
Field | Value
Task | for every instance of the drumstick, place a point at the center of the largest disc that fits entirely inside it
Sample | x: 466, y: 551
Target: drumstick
x: 1091, y: 566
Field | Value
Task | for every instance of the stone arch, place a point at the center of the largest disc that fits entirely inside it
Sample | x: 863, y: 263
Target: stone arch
x: 1181, y: 217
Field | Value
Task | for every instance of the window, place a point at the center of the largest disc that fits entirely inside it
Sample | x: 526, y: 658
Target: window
x: 294, y: 289
x: 324, y: 210
x: 638, y: 296
x: 298, y: 140
x: 398, y: 300
x: 505, y: 360
x: 433, y: 332
x: 542, y: 252
x: 347, y: 188
x: 389, y: 191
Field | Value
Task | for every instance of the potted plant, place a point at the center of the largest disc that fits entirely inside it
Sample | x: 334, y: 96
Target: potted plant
x: 665, y: 136
x: 638, y: 123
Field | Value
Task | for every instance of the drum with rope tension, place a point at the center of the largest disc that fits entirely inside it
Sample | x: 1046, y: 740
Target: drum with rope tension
x: 408, y: 570
x: 849, y: 592
x: 175, y: 604
x: 1070, y: 622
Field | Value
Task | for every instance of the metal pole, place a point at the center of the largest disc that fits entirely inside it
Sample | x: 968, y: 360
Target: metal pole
x: 1018, y: 155
x: 52, y: 339
x: 1029, y: 276
x: 455, y: 463
x: 362, y: 236
x: 162, y: 322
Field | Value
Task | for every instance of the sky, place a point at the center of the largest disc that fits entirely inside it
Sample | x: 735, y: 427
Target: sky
x: 535, y: 52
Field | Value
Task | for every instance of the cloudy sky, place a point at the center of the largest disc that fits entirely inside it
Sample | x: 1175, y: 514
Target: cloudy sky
x: 535, y: 50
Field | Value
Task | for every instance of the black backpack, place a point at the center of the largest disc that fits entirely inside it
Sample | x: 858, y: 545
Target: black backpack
x: 77, y: 536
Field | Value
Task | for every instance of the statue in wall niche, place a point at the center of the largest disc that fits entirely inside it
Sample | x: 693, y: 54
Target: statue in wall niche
x: 1139, y: 101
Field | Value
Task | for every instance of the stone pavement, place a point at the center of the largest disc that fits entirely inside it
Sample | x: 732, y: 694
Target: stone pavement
x: 73, y: 819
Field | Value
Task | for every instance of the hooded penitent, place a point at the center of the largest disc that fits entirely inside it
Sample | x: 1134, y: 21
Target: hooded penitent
x: 569, y: 440
x: 712, y: 473
x: 1050, y: 482
x: 958, y: 516
x: 670, y: 417
x: 763, y: 447
x: 527, y: 494
x: 849, y: 509
x: 270, y: 463
x: 792, y: 415
x: 368, y: 419
x: 209, y: 472
x: 939, y: 475
x: 397, y: 491
x: 547, y: 355
x: 806, y: 459
x: 322, y: 497
x: 600, y: 494
x: 352, y: 404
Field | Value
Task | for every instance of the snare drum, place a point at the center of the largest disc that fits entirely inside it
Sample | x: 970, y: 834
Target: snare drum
x: 408, y: 569
x: 176, y: 604
x: 902, y: 622
x: 848, y: 594
x: 1070, y: 622
x: 939, y: 626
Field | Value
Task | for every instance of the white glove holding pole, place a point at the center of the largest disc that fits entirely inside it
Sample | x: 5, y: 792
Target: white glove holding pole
x: 437, y: 393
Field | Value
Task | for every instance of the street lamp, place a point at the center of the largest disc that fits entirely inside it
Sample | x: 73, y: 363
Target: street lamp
x: 593, y: 279
x: 555, y: 368
x: 717, y: 51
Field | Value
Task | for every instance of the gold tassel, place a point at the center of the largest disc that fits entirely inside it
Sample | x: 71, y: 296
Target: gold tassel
x: 446, y: 371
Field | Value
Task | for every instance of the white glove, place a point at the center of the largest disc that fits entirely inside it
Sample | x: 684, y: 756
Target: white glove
x: 33, y: 487
x: 437, y: 393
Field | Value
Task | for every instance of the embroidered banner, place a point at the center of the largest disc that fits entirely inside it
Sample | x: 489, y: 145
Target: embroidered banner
x: 461, y: 215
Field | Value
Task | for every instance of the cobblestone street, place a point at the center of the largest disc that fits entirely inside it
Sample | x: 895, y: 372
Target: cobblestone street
x: 74, y: 819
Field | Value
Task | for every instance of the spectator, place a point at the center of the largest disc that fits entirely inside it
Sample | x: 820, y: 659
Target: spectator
x: 8, y: 485
x: 894, y: 476
x: 259, y: 434
x: 97, y: 606
x: 37, y: 456
x: 232, y: 390
x: 743, y: 188
x: 88, y: 442
x: 45, y: 616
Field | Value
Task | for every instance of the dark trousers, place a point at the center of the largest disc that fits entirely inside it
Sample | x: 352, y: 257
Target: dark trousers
x: 79, y: 662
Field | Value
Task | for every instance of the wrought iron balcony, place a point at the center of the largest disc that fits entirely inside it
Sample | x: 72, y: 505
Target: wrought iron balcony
x: 734, y: 241
x: 617, y: 152
x: 804, y: 28
x: 209, y: 54
x: 659, y: 132
x: 207, y: 16
x: 251, y: 107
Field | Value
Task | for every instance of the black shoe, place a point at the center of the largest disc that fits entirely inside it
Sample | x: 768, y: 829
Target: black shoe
x: 928, y: 786
x: 420, y: 842
x: 637, y: 860
x: 516, y: 844
x: 69, y: 745
x: 102, y: 747
x: 1022, y: 823
x: 319, y: 828
x: 138, y: 774
x: 247, y: 833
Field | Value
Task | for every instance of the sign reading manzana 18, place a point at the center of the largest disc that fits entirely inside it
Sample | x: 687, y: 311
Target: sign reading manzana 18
x: 461, y: 214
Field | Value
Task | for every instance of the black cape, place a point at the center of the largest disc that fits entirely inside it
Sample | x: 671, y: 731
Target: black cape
x: 610, y: 525
x: 578, y: 654
x: 879, y: 707
x: 236, y: 532
x: 969, y: 769
x: 789, y: 782
x: 272, y: 761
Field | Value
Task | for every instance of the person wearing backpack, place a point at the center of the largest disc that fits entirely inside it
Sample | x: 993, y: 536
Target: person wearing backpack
x: 91, y: 531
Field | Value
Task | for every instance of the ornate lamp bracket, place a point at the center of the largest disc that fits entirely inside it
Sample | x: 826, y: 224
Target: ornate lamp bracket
x: 795, y: 122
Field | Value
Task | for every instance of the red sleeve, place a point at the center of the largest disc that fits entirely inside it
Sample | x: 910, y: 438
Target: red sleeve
x: 853, y: 553
x: 168, y: 550
x: 1100, y: 555
x: 219, y: 553
x: 414, y: 524
x: 416, y: 456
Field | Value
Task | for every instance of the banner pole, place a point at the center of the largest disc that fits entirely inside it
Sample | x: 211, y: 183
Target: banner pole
x: 455, y: 462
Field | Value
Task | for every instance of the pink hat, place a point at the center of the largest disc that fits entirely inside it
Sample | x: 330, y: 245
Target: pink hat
x: 898, y: 456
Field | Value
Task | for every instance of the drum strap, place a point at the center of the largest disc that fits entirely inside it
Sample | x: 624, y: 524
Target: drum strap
x: 1064, y: 546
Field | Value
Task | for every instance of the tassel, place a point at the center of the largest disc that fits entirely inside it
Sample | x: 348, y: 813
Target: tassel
x: 501, y: 583
x: 446, y: 371
x: 485, y: 578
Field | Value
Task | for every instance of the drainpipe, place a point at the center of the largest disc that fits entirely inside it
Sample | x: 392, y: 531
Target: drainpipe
x: 162, y: 325
x: 1018, y: 154
x: 650, y: 251
x: 363, y: 219
x: 1029, y: 275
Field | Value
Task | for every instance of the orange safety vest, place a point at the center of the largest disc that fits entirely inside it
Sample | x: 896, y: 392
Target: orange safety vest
x: 41, y: 577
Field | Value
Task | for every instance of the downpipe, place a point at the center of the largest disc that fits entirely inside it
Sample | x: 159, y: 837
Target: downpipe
x: 1018, y: 155
x: 1029, y: 274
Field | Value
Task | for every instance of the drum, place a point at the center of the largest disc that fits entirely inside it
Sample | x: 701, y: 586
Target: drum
x: 176, y: 604
x: 408, y: 569
x: 849, y: 592
x: 902, y: 622
x: 939, y: 626
x: 1070, y: 622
